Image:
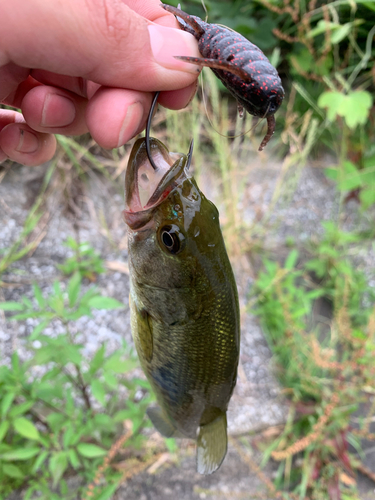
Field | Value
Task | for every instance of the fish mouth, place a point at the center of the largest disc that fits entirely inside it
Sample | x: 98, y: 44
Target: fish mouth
x: 145, y: 187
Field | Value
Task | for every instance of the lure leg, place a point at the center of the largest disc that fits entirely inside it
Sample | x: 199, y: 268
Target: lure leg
x: 271, y: 122
x: 199, y: 31
x: 217, y: 64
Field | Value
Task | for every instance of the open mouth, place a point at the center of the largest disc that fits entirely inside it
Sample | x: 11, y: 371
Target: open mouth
x: 146, y: 187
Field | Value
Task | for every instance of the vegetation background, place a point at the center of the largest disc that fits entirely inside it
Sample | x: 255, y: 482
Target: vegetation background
x: 66, y: 415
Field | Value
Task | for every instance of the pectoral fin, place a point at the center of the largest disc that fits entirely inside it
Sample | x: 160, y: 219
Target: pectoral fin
x: 161, y: 422
x: 212, y: 445
x: 142, y: 331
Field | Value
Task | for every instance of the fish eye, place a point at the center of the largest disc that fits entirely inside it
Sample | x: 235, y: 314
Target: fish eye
x: 172, y: 238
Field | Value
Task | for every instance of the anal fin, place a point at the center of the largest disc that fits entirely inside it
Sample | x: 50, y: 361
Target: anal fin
x: 212, y: 445
x: 161, y: 422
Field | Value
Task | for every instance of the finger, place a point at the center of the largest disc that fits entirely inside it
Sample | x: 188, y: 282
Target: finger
x: 11, y: 76
x: 178, y: 99
x: 77, y: 85
x: 106, y: 42
x: 114, y: 116
x: 21, y: 144
x: 56, y: 111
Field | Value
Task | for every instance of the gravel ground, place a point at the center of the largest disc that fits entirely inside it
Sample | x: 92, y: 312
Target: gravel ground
x: 257, y: 402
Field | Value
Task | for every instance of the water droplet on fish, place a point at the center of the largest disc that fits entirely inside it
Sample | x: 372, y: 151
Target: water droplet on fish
x: 211, y: 244
x: 196, y: 232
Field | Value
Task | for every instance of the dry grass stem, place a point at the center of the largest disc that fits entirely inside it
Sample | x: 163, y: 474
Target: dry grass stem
x: 112, y: 452
x: 303, y: 443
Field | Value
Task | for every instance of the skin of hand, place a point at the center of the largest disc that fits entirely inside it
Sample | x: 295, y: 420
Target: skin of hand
x: 77, y: 66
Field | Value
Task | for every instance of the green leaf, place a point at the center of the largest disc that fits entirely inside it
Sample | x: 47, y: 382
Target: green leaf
x: 39, y: 461
x: 98, y: 391
x: 26, y: 428
x: 4, y: 426
x: 58, y: 464
x: 122, y: 415
x: 19, y: 454
x: 21, y: 408
x: 99, y: 302
x: 340, y: 33
x: 103, y: 421
x: 68, y: 435
x: 64, y: 489
x: 71, y: 243
x: 74, y: 287
x: 291, y: 260
x: 108, y: 491
x: 110, y: 380
x: 73, y: 459
x: 38, y: 329
x: 369, y: 4
x: 349, y: 178
x: 118, y: 364
x: 367, y: 197
x: 356, y: 108
x: 321, y: 27
x: 171, y: 444
x: 97, y: 361
x: 39, y: 296
x: 13, y: 471
x: 331, y: 173
x: 90, y: 450
x: 333, y: 102
x: 11, y: 306
x: 27, y: 302
x: 56, y: 420
x: 6, y: 403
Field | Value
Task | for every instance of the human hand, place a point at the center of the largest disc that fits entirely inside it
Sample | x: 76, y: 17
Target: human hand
x: 78, y: 66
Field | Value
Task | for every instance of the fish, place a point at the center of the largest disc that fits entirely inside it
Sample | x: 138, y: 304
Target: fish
x: 183, y: 300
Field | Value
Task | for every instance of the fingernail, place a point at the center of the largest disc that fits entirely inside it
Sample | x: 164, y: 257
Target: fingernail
x: 58, y: 111
x: 28, y: 142
x: 169, y: 42
x: 192, y: 95
x: 132, y: 122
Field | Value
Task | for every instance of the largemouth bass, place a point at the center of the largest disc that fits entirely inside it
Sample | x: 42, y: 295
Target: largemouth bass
x: 183, y: 300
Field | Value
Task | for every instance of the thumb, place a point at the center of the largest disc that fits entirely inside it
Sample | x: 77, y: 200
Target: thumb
x: 104, y: 41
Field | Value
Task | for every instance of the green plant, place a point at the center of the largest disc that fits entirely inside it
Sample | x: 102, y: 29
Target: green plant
x: 329, y: 59
x: 338, y: 278
x: 86, y: 261
x: 60, y: 412
x: 325, y: 375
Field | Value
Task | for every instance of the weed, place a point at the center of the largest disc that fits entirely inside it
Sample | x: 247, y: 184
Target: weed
x: 60, y: 413
x: 86, y: 261
x: 326, y: 375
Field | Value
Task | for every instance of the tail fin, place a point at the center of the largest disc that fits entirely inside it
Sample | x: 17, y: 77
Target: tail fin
x: 212, y: 445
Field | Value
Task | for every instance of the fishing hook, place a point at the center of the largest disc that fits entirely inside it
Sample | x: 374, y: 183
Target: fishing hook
x: 147, y: 137
x: 148, y: 127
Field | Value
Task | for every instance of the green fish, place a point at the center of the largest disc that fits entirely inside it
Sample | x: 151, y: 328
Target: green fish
x: 183, y: 300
